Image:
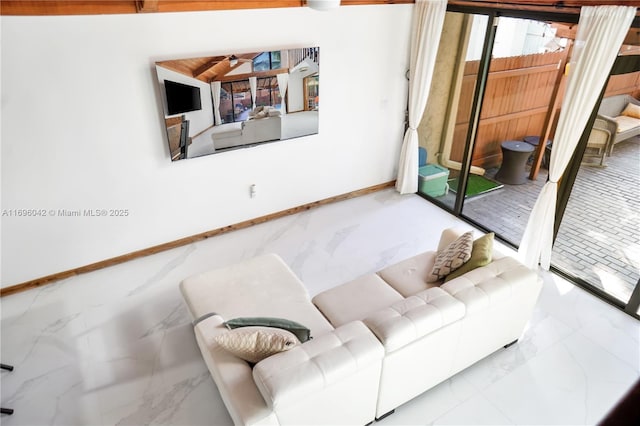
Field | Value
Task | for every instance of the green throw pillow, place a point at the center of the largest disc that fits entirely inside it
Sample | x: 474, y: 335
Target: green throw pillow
x: 480, y: 256
x: 300, y: 331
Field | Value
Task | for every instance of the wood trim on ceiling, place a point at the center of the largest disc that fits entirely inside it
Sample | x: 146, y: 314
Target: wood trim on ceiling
x: 102, y: 7
x: 557, y: 4
x: 567, y: 7
x: 39, y: 282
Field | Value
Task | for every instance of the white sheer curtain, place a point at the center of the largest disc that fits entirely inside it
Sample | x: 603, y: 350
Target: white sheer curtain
x: 601, y: 30
x: 428, y: 18
x: 283, y: 82
x: 253, y: 83
x: 216, y: 87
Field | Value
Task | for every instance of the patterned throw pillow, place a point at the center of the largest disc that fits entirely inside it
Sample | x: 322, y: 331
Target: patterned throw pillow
x: 452, y: 257
x: 481, y: 255
x: 254, y: 344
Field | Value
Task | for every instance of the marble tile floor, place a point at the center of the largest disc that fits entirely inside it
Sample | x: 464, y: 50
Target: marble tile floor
x: 115, y: 346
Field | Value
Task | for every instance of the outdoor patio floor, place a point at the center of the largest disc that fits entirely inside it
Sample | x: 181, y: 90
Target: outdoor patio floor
x: 599, y: 238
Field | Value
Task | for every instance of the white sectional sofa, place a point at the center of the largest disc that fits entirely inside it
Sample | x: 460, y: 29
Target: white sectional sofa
x: 331, y: 379
x: 256, y: 129
x: 378, y: 341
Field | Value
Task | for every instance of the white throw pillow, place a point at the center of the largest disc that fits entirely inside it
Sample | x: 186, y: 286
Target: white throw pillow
x: 452, y: 257
x: 254, y: 344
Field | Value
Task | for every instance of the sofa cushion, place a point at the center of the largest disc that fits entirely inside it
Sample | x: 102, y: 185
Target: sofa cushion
x: 318, y: 364
x: 490, y: 284
x: 356, y: 299
x: 263, y: 286
x: 416, y: 316
x: 453, y: 257
x: 626, y: 123
x: 480, y: 255
x: 612, y: 106
x: 409, y: 276
x: 254, y: 344
x: 631, y: 110
x: 300, y: 331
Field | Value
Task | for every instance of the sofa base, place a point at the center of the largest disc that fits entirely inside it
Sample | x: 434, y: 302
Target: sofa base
x: 385, y: 415
x: 508, y: 345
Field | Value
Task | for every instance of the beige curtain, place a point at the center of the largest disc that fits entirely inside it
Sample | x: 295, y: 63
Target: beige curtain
x: 601, y: 30
x: 253, y: 85
x: 283, y: 82
x: 428, y: 18
x: 216, y: 87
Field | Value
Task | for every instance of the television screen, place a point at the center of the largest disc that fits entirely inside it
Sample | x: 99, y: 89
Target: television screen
x: 181, y: 97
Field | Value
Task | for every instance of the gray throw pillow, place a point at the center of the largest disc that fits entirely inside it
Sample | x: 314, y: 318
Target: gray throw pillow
x: 300, y: 331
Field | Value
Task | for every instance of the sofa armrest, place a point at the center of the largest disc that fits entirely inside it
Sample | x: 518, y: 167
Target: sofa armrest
x: 232, y: 376
x: 608, y: 125
x: 319, y: 364
x: 606, y: 122
x: 601, y: 136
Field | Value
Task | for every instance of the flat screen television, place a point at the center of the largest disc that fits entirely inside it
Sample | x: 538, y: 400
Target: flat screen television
x: 181, y: 97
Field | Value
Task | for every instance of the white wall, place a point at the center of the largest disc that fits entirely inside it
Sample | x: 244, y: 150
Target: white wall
x: 82, y: 127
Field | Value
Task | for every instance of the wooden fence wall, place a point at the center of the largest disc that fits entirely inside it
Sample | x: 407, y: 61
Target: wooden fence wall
x: 623, y: 84
x: 517, y: 97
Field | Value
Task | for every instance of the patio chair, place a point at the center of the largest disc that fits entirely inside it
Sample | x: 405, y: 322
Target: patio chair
x: 600, y: 142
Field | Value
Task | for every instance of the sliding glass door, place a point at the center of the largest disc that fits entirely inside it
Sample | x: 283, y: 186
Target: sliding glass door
x: 522, y: 85
x: 452, y: 107
x: 504, y: 77
x: 598, y: 239
x: 488, y: 133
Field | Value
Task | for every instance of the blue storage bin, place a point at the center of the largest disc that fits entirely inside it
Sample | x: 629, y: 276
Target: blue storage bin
x: 422, y: 156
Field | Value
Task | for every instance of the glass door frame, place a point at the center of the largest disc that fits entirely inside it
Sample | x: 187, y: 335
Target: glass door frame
x: 622, y: 65
x: 481, y: 83
x: 632, y: 307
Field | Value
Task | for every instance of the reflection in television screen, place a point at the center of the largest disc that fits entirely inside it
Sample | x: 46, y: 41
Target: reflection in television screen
x: 219, y: 103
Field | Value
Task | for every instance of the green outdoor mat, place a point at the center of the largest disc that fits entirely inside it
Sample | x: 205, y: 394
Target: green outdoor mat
x: 476, y: 185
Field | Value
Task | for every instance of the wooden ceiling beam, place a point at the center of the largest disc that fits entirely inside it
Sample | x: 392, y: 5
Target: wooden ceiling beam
x: 99, y: 7
x: 568, y: 3
x: 146, y: 6
x: 565, y: 30
x: 633, y: 37
x: 205, y: 67
x: 202, y: 5
x: 565, y: 7
x: 56, y: 7
x: 259, y: 74
x: 221, y: 68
